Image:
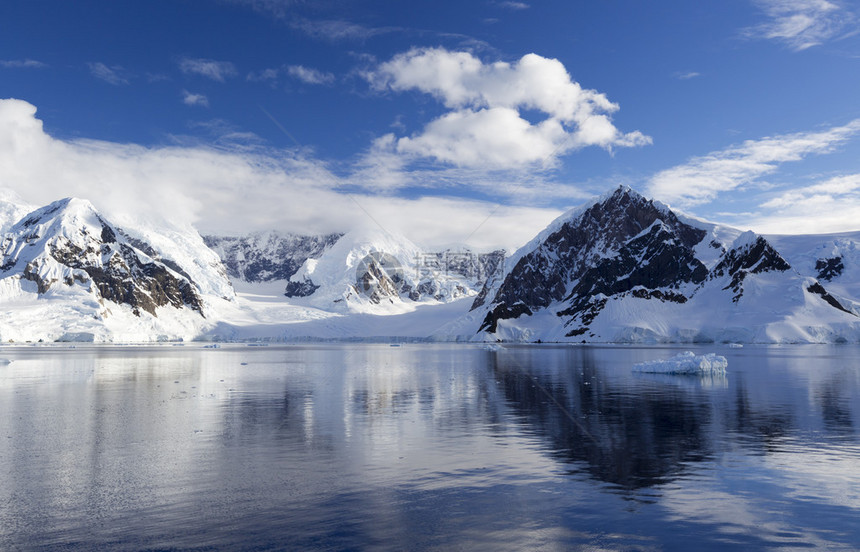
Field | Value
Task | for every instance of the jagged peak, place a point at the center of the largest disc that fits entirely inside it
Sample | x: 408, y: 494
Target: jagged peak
x: 611, y: 200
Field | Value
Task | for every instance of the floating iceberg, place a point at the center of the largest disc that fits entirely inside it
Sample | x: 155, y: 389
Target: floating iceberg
x: 5, y: 361
x: 685, y: 363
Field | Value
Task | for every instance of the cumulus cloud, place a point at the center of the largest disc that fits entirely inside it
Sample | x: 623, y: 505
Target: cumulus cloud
x: 485, y: 125
x: 115, y: 75
x: 701, y: 179
x: 21, y: 64
x: 216, y: 70
x: 309, y: 75
x: 802, y: 24
x: 233, y: 189
x: 194, y: 99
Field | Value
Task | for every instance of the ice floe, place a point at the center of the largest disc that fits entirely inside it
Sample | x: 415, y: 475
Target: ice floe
x: 685, y: 363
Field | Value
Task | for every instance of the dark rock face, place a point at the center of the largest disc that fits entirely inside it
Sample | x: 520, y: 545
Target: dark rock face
x: 754, y: 258
x: 300, y: 289
x: 655, y: 259
x: 267, y: 257
x: 819, y: 290
x: 101, y: 258
x: 616, y: 245
x: 829, y: 268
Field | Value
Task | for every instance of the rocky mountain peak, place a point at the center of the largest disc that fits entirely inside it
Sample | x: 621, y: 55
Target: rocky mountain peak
x: 618, y: 242
x: 68, y: 243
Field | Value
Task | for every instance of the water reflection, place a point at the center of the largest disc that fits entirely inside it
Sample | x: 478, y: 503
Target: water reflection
x: 425, y: 446
x: 626, y: 438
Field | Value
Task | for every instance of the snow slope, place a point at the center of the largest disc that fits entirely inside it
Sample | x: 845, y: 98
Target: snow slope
x: 66, y: 273
x: 623, y: 268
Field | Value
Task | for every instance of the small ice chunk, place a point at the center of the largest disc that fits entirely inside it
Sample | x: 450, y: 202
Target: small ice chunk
x: 5, y: 361
x: 685, y: 363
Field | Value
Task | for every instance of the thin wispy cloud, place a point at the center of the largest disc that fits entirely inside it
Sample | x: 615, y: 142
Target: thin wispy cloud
x: 265, y: 75
x: 832, y: 205
x: 802, y: 24
x: 686, y: 75
x: 194, y: 99
x: 216, y: 70
x: 514, y: 5
x: 310, y: 75
x: 484, y: 126
x: 21, y: 64
x: 115, y: 75
x: 277, y: 8
x: 338, y: 30
x: 702, y: 179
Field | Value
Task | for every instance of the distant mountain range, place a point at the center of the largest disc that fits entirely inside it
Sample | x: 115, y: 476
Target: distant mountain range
x: 621, y: 268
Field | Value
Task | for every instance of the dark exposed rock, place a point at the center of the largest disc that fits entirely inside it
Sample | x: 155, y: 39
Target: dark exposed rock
x: 300, y: 289
x: 83, y: 248
x: 654, y: 259
x: 270, y: 256
x: 755, y: 258
x: 819, y: 290
x: 503, y: 312
x: 613, y: 246
x: 829, y: 268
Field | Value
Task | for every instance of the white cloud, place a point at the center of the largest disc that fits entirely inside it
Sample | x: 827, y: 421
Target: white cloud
x: 233, y: 190
x: 114, y: 75
x: 266, y: 75
x: 194, y: 99
x: 686, y: 76
x: 514, y: 5
x: 829, y: 206
x: 337, y: 30
x: 801, y: 24
x: 701, y: 179
x: 485, y: 126
x: 216, y: 70
x: 309, y: 75
x: 21, y: 64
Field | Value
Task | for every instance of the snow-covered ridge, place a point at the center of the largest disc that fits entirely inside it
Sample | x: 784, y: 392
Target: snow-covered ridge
x: 621, y: 268
x: 68, y: 261
x: 268, y: 256
x: 376, y: 271
x: 625, y: 268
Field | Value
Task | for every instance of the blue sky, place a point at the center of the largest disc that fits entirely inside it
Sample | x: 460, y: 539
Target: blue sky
x: 446, y: 121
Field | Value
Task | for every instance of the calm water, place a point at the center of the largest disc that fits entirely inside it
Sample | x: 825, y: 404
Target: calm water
x: 427, y: 447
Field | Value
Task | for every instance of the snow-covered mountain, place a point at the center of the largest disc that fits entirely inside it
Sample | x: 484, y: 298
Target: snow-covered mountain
x: 268, y: 256
x: 625, y: 268
x: 376, y: 271
x: 620, y: 268
x: 66, y: 272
